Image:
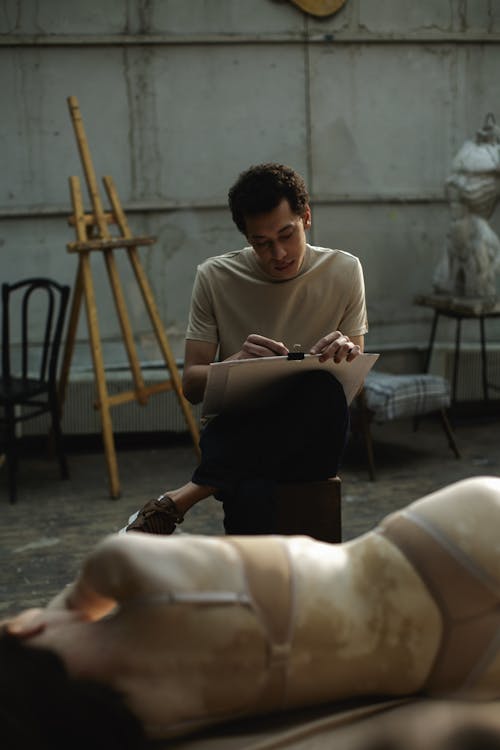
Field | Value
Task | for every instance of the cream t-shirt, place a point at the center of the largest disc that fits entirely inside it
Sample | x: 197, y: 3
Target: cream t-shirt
x: 233, y: 297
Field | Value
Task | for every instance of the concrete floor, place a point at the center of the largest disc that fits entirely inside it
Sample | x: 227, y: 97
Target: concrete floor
x: 44, y: 537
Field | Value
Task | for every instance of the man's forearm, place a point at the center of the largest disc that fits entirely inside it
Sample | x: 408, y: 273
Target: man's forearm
x: 194, y: 381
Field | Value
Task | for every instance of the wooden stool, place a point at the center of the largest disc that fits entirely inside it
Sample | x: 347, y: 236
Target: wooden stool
x: 311, y: 508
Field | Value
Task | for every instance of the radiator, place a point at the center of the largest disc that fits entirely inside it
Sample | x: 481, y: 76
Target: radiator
x: 470, y: 378
x: 162, y: 413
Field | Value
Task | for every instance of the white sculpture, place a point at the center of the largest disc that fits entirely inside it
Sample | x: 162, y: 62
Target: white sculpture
x: 472, y: 254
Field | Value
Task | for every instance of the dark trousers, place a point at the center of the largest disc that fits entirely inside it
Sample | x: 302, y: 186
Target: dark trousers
x: 296, y: 433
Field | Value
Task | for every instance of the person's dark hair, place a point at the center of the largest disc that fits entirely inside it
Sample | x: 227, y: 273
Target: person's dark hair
x: 261, y: 188
x: 42, y: 707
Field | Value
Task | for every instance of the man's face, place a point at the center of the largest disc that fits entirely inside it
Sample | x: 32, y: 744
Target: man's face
x: 279, y: 240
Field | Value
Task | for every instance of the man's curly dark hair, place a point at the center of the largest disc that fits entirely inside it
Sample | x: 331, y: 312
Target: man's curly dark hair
x: 42, y: 707
x: 262, y: 187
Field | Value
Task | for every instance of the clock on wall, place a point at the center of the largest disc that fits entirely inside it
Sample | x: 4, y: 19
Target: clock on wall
x: 320, y: 7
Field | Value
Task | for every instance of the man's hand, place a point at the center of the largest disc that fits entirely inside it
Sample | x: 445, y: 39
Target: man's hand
x: 260, y: 346
x: 199, y: 354
x: 336, y: 346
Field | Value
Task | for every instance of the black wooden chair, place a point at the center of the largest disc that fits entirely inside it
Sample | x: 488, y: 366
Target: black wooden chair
x: 34, y: 308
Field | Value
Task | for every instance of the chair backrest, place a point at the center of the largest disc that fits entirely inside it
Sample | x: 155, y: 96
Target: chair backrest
x: 40, y: 306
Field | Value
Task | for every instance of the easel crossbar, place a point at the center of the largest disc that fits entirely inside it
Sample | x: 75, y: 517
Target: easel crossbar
x: 126, y: 396
x: 114, y: 243
x: 90, y: 220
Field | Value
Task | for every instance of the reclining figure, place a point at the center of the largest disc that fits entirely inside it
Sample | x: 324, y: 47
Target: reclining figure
x: 193, y: 630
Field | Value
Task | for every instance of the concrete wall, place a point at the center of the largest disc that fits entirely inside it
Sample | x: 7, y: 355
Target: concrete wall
x: 179, y: 96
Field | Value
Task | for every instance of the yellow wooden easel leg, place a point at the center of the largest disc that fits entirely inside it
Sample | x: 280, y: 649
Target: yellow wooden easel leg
x: 100, y: 377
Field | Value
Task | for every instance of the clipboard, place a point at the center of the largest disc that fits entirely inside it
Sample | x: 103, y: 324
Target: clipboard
x: 237, y: 381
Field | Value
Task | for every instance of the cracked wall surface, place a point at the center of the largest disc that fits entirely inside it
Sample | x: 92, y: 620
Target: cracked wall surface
x: 370, y: 104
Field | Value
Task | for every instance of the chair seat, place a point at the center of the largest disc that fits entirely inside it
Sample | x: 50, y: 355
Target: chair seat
x: 393, y: 396
x: 19, y: 390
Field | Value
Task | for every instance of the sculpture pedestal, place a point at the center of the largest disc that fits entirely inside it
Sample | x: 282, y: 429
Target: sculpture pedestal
x: 460, y: 308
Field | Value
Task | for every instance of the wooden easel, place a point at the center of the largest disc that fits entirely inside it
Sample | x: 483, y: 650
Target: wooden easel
x: 93, y: 234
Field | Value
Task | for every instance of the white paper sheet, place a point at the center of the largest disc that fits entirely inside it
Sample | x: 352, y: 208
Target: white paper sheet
x: 236, y: 382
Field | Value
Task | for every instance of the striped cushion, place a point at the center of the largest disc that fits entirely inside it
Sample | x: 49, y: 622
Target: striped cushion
x: 392, y: 396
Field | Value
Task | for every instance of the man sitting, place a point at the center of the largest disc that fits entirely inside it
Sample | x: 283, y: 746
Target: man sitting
x: 259, y: 302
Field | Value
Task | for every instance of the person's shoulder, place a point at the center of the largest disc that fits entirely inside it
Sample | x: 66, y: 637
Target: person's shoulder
x: 330, y: 252
x: 343, y: 258
x: 119, y: 550
x: 234, y: 259
x: 109, y: 547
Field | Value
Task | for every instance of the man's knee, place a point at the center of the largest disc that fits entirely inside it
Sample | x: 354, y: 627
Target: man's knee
x: 321, y: 390
x: 321, y: 383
